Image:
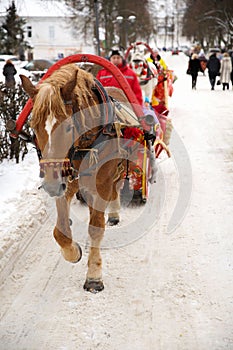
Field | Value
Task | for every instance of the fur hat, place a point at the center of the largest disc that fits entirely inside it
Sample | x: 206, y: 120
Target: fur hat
x: 116, y: 52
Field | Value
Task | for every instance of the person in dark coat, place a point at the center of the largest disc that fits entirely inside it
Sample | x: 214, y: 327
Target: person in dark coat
x: 194, y: 68
x: 213, y: 65
x: 231, y: 55
x: 9, y: 72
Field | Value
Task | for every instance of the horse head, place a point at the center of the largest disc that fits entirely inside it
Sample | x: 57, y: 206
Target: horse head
x: 51, y: 120
x: 138, y: 64
x: 146, y: 72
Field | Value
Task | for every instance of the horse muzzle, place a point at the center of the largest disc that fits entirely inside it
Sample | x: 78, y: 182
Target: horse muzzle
x: 54, y: 189
x: 55, y: 173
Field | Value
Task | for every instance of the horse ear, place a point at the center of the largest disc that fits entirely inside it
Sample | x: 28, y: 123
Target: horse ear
x: 67, y: 89
x: 28, y: 87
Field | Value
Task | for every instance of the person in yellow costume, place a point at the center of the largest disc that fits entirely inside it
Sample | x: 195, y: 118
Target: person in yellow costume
x: 158, y: 61
x: 162, y: 62
x: 159, y: 97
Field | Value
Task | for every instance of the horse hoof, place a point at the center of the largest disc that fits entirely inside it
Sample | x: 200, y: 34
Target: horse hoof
x: 93, y: 286
x: 113, y: 221
x: 80, y: 253
x: 68, y: 254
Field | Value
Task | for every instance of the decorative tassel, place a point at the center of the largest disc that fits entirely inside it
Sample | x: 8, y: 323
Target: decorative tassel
x: 144, y: 72
x: 58, y: 167
x: 42, y: 173
x: 55, y: 170
x: 55, y: 174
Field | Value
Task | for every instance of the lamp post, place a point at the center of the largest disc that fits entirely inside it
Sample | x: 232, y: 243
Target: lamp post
x: 97, y: 27
x: 179, y: 10
x: 125, y: 26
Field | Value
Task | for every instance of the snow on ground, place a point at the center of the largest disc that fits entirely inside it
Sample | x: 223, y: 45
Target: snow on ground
x: 170, y: 286
x: 15, y: 179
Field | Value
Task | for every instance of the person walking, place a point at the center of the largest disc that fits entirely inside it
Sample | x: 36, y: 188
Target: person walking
x: 107, y: 79
x: 203, y: 61
x: 231, y: 55
x: 194, y: 68
x: 213, y: 66
x: 9, y: 72
x: 225, y: 71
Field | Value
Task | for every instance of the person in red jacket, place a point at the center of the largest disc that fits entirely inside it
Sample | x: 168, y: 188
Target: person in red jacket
x: 107, y: 79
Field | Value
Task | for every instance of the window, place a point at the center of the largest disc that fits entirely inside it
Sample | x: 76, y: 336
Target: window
x: 29, y: 31
x: 51, y: 33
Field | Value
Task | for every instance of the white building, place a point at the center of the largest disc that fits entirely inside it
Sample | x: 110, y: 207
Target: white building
x: 168, y: 18
x: 48, y: 29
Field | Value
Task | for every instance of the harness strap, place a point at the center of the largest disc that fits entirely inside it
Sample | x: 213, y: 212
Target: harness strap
x: 100, y: 163
x: 120, y: 106
x: 149, y: 76
x: 105, y: 102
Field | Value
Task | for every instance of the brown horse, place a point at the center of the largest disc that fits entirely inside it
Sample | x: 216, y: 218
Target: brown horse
x: 79, y: 152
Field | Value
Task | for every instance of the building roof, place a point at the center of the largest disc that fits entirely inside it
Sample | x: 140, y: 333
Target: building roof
x: 36, y: 8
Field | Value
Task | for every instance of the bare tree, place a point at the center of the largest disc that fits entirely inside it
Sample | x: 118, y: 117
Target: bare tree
x: 84, y: 18
x: 210, y: 22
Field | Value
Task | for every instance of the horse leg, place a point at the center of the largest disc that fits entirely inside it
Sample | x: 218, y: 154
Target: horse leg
x: 70, y: 250
x: 94, y: 283
x: 114, y: 208
x: 97, y: 207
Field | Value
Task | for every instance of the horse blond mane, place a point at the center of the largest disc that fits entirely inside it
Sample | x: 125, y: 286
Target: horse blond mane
x: 48, y: 102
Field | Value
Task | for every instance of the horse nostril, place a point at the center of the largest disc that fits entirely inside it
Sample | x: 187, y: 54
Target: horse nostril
x: 63, y: 186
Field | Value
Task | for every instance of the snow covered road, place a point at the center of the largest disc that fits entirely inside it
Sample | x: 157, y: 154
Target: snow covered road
x: 163, y: 291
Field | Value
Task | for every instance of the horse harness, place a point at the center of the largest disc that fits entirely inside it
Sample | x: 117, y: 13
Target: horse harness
x: 149, y: 73
x: 149, y: 76
x: 108, y: 131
